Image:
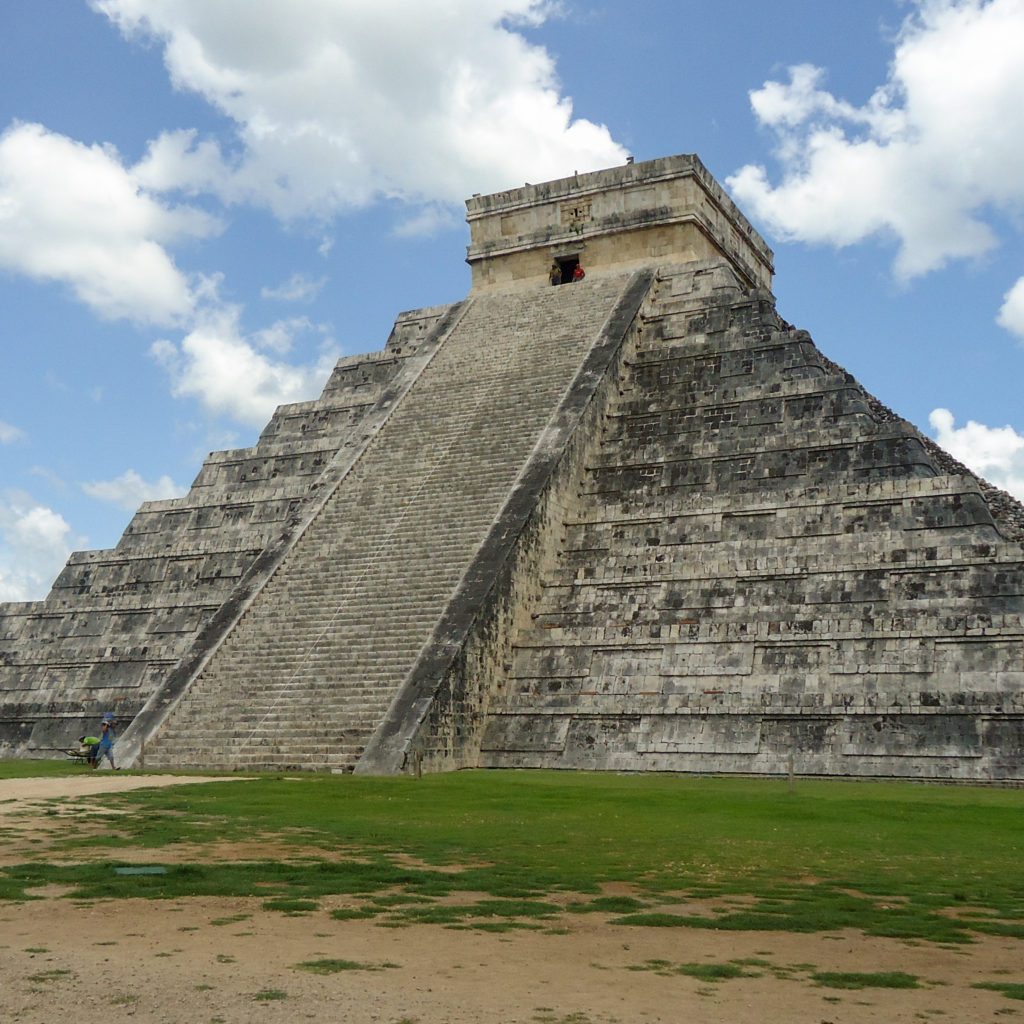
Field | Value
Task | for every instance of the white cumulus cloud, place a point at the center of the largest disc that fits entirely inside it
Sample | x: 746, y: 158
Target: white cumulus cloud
x: 9, y: 433
x: 1011, y: 314
x: 332, y: 104
x: 222, y: 367
x: 339, y: 102
x: 298, y: 288
x: 429, y: 220
x: 933, y: 159
x: 129, y: 490
x: 280, y: 336
x: 74, y: 214
x: 35, y: 542
x: 996, y: 453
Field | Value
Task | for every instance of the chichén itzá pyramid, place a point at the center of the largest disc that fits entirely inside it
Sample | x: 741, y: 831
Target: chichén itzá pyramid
x: 634, y: 522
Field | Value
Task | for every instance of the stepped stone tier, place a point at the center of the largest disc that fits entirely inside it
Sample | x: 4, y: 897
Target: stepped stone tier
x: 636, y: 522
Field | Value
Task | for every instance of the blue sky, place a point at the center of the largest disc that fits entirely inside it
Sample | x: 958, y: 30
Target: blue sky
x: 203, y: 203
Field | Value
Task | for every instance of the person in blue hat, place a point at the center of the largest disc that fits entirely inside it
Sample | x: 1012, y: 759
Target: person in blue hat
x: 105, y: 747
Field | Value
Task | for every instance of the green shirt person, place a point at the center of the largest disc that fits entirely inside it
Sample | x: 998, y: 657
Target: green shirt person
x: 87, y: 747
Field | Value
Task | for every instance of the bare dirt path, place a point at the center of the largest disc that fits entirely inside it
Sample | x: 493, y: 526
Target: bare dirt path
x: 15, y: 794
x: 228, y: 961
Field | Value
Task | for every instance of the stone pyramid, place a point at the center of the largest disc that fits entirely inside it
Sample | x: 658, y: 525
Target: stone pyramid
x: 634, y: 522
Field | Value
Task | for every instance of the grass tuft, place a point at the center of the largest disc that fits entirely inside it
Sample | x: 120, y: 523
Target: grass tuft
x: 44, y: 976
x: 1008, y: 989
x: 291, y: 906
x: 269, y: 995
x: 882, y: 979
x: 353, y: 913
x: 328, y: 966
x: 703, y: 972
x: 608, y: 905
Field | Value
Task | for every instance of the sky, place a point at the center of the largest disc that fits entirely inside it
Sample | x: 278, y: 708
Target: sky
x: 204, y: 203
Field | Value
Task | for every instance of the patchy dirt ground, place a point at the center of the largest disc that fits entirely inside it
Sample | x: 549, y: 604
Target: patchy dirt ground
x: 227, y: 961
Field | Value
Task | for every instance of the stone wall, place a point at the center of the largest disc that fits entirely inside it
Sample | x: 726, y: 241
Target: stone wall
x: 762, y: 571
x: 660, y: 211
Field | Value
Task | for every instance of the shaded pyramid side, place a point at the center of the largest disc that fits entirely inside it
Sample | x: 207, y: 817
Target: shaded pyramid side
x: 117, y: 621
x: 762, y: 568
x: 753, y: 562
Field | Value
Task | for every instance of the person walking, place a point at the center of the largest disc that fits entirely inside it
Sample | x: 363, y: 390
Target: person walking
x: 105, y: 747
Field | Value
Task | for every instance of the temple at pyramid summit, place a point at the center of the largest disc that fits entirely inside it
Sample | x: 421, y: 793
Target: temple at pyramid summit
x: 628, y: 521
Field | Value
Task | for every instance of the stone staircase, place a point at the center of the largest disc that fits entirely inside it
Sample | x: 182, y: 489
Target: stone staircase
x: 116, y: 622
x: 757, y: 568
x: 306, y: 674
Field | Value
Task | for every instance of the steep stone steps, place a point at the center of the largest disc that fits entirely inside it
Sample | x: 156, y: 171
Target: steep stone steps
x: 376, y: 568
x: 181, y: 558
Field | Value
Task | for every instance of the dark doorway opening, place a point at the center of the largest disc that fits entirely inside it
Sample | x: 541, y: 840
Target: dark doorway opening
x: 568, y: 265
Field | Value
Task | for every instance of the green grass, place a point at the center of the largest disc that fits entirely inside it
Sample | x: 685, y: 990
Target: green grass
x: 607, y: 905
x: 453, y: 913
x: 45, y: 976
x: 1010, y: 990
x: 336, y: 966
x: 302, y: 879
x: 703, y: 972
x: 291, y: 906
x: 40, y: 769
x: 354, y: 913
x: 269, y: 995
x: 397, y: 899
x: 882, y: 979
x: 886, y: 858
x: 817, y: 908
